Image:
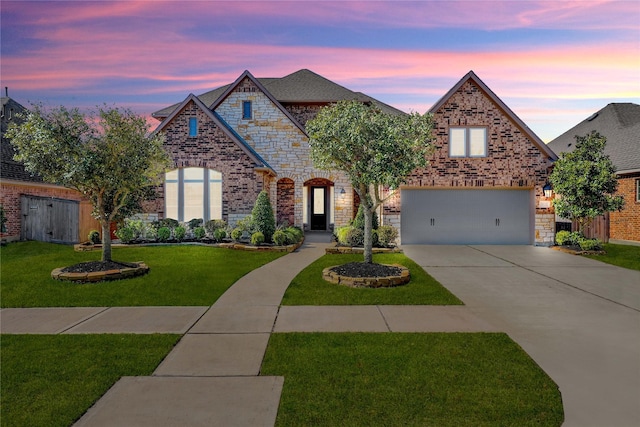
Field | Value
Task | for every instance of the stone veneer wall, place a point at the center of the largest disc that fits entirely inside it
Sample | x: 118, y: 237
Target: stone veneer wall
x: 213, y: 149
x: 625, y: 225
x: 282, y: 144
x: 513, y: 161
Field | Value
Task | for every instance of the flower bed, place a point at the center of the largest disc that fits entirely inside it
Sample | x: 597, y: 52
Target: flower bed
x: 399, y: 275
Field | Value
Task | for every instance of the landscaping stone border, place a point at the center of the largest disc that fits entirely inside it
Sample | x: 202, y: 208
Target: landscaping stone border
x: 101, y: 276
x: 354, y: 250
x: 368, y: 282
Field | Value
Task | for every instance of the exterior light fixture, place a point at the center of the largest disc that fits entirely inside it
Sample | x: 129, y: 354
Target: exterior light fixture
x: 342, y: 192
x: 548, y: 190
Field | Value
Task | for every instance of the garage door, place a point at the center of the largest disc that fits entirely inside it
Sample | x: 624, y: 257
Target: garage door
x: 467, y: 217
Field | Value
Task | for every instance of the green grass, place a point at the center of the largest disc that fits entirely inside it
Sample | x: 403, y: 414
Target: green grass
x: 309, y: 288
x: 51, y: 380
x: 409, y: 380
x: 626, y: 256
x: 179, y: 275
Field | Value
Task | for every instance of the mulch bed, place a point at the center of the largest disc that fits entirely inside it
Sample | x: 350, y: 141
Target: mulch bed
x: 363, y: 269
x: 94, y: 266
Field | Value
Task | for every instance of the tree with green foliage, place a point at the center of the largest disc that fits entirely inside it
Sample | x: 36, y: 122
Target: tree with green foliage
x: 586, y: 182
x: 262, y: 216
x: 376, y: 150
x: 112, y: 159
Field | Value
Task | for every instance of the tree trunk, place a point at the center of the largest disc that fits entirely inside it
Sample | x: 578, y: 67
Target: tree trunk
x: 106, y: 240
x: 368, y: 240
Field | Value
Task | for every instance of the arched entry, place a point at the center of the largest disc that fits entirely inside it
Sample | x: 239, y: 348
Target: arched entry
x: 286, y: 201
x: 319, y: 205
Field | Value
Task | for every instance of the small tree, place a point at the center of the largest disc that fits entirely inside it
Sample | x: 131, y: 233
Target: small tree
x: 374, y: 149
x: 111, y: 159
x: 585, y: 181
x: 262, y: 215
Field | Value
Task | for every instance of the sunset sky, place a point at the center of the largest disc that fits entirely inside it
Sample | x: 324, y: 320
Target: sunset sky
x: 553, y: 63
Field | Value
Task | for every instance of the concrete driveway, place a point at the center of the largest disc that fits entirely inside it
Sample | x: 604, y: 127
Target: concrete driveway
x: 579, y: 319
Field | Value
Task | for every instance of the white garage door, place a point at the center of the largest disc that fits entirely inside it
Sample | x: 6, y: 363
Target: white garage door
x: 456, y: 217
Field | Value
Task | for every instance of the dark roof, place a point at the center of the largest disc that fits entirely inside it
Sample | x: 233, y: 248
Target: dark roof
x: 303, y: 86
x: 514, y: 118
x: 9, y: 168
x: 620, y: 124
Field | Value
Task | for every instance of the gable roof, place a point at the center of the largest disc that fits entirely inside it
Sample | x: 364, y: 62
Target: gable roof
x: 302, y: 86
x: 248, y: 75
x: 510, y: 114
x: 620, y: 124
x: 234, y: 136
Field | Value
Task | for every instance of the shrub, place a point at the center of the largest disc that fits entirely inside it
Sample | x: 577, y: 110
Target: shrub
x: 280, y: 238
x: 236, y: 234
x: 164, y: 234
x: 257, y: 238
x: 374, y: 239
x: 590, y: 244
x: 179, y: 233
x: 220, y: 234
x: 214, y: 224
x: 562, y: 237
x: 296, y: 234
x: 195, y: 223
x: 247, y: 224
x: 125, y: 234
x: 355, y: 237
x: 341, y: 234
x: 358, y: 221
x: 387, y: 235
x: 199, y: 232
x: 262, y: 215
x: 94, y: 237
x: 168, y: 222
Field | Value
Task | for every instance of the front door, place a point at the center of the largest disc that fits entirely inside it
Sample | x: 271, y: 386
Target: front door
x: 319, y: 208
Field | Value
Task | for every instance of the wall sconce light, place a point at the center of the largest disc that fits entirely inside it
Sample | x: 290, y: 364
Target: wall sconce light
x: 342, y: 192
x: 548, y: 190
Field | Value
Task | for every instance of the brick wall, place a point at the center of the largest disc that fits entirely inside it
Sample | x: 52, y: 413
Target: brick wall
x: 625, y: 225
x: 212, y: 149
x: 513, y: 161
x: 10, y: 192
x: 286, y: 203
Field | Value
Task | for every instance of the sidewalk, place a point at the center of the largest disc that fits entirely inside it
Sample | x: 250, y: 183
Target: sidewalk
x: 212, y: 376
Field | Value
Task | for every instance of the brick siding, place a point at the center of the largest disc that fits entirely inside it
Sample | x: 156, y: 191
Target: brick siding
x: 625, y: 225
x: 212, y: 149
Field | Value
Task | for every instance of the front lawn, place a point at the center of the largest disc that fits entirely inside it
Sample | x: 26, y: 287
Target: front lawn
x: 309, y: 288
x: 179, y: 275
x: 51, y: 380
x: 626, y: 256
x: 409, y: 380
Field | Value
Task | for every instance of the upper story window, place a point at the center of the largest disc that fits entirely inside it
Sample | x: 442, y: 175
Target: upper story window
x: 638, y: 190
x: 246, y: 109
x: 193, y: 126
x: 468, y: 142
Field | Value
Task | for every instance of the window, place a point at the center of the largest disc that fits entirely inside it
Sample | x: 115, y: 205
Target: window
x: 638, y: 190
x: 468, y: 142
x: 246, y: 109
x: 193, y: 193
x: 193, y: 126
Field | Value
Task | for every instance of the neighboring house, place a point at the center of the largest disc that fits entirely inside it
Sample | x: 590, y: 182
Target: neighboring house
x: 229, y: 144
x: 620, y: 124
x: 37, y: 210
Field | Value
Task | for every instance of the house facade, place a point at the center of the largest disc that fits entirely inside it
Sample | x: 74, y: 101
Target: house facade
x: 37, y: 210
x: 619, y: 123
x: 230, y: 143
